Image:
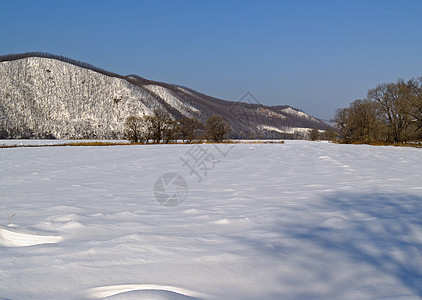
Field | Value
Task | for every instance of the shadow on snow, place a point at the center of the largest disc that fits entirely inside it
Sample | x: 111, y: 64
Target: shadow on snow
x: 382, y: 231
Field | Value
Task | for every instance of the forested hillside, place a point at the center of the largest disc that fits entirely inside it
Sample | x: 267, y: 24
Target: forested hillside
x: 49, y: 96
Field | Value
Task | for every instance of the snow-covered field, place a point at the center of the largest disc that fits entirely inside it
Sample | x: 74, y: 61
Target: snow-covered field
x: 300, y: 220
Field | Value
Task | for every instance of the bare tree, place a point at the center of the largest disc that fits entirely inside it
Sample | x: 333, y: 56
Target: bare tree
x: 343, y: 123
x: 366, y: 122
x: 134, y: 129
x: 392, y: 112
x: 330, y: 134
x: 314, y: 134
x: 161, y: 126
x: 217, y: 128
x: 392, y: 100
x: 170, y: 131
x: 415, y: 105
x: 359, y: 122
x: 187, y: 128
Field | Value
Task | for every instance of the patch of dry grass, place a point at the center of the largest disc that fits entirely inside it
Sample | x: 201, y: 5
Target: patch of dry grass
x: 383, y: 143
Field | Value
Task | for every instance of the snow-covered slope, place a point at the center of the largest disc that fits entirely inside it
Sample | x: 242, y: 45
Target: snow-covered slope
x: 43, y: 95
x: 50, y: 97
x: 300, y: 220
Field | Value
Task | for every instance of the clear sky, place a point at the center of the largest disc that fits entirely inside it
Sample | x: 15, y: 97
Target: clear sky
x: 315, y: 55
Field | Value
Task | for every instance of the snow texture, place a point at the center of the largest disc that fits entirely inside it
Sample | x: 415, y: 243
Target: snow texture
x: 300, y: 220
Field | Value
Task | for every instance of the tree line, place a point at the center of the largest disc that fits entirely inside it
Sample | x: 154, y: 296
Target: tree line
x: 391, y: 112
x: 160, y: 127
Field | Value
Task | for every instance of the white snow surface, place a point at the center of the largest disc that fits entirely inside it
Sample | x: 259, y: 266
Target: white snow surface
x: 300, y: 220
x: 291, y: 130
x: 270, y: 128
x: 292, y: 111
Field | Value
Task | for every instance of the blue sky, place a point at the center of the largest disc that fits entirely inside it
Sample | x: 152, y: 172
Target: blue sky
x: 313, y: 55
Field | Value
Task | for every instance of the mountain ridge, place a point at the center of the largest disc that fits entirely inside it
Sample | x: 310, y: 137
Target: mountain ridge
x: 50, y: 96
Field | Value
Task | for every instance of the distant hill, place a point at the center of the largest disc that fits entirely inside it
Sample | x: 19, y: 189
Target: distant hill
x: 48, y: 96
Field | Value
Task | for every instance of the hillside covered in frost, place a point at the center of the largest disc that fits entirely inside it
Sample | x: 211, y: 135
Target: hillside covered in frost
x: 49, y: 96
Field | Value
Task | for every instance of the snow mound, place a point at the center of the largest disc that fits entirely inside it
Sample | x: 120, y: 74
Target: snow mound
x: 150, y: 295
x: 10, y: 238
x: 143, y: 291
x: 335, y: 222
